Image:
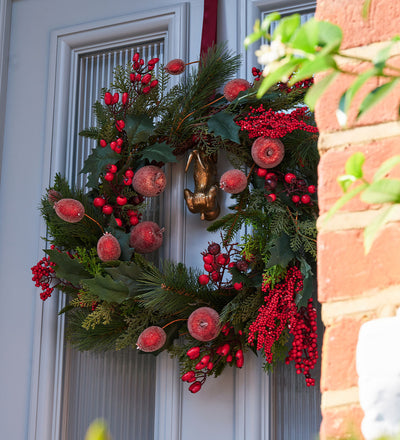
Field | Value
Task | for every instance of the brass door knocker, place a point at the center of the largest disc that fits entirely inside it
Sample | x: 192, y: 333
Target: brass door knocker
x: 204, y: 198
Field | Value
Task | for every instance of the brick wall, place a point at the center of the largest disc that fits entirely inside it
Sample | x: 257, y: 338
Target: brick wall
x: 354, y: 287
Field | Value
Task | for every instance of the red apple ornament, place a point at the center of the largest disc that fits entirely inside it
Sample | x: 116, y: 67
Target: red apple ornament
x: 203, y: 324
x: 149, y: 181
x: 151, y: 339
x: 108, y: 248
x: 234, y: 87
x: 146, y: 237
x: 233, y: 181
x: 267, y: 152
x: 69, y: 210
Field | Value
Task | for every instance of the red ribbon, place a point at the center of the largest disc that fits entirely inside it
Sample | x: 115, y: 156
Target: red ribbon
x: 209, y: 34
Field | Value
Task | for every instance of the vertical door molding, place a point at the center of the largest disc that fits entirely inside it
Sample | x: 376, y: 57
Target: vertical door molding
x: 66, y: 45
x: 5, y: 29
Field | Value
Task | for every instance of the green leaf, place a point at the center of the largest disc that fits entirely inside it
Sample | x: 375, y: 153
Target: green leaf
x: 253, y: 37
x: 382, y: 191
x: 345, y: 181
x: 386, y: 167
x: 381, y: 57
x: 123, y: 240
x: 138, y: 128
x: 366, y: 8
x: 308, y: 284
x: 127, y: 273
x: 371, y: 231
x: 95, y: 163
x: 315, y: 92
x: 160, y: 152
x: 286, y: 28
x: 67, y: 268
x: 223, y: 124
x: 376, y: 95
x: 280, y: 74
x: 273, y: 16
x: 354, y: 165
x: 281, y: 253
x: 106, y: 289
x: 309, y: 68
x: 344, y: 199
x: 348, y: 95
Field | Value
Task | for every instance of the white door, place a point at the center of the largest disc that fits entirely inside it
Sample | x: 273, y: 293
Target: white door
x: 42, y: 385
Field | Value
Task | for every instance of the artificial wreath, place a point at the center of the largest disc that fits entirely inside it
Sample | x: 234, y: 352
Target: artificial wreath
x: 254, y: 292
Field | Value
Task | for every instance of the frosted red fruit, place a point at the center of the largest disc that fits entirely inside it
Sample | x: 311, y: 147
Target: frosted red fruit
x: 267, y: 152
x: 146, y: 237
x: 70, y: 210
x: 149, y: 181
x: 151, y: 339
x: 175, y: 67
x: 108, y: 247
x: 233, y: 181
x: 203, y: 324
x: 234, y: 87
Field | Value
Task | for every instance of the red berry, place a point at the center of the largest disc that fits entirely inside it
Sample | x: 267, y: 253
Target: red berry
x: 195, y: 387
x: 233, y: 181
x: 306, y: 199
x: 240, y: 362
x: 122, y: 200
x: 222, y: 259
x: 146, y: 237
x: 108, y: 248
x: 193, y: 353
x: 153, y: 61
x: 267, y: 152
x: 107, y: 98
x: 290, y: 178
x: 146, y: 90
x: 295, y: 199
x: 99, y: 202
x: 239, y: 354
x: 312, y: 189
x: 210, y: 366
x: 208, y: 267
x: 115, y: 98
x: 127, y: 181
x: 229, y: 358
x: 208, y: 258
x: 204, y: 279
x: 109, y: 177
x: 112, y: 168
x: 133, y: 220
x: 271, y: 197
x: 136, y: 57
x: 234, y: 87
x: 205, y: 359
x: 120, y: 125
x: 188, y: 376
x: 175, y: 67
x: 146, y: 78
x: 118, y: 221
x: 215, y: 276
x: 151, y: 339
x: 154, y: 83
x: 118, y: 149
x: 120, y: 142
x: 103, y: 143
x: 125, y: 98
x: 199, y: 366
x: 113, y: 145
x: 149, y: 181
x: 238, y: 286
x: 129, y: 173
x: 203, y: 324
x: 225, y: 349
x: 107, y: 209
x: 69, y: 210
x: 261, y: 172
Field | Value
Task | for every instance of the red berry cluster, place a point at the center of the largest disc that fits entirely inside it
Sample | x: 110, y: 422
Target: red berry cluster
x: 141, y: 78
x: 304, y: 84
x: 256, y: 73
x: 217, y: 263
x: 44, y: 276
x: 280, y: 312
x: 268, y: 123
x: 295, y: 188
x: 230, y: 352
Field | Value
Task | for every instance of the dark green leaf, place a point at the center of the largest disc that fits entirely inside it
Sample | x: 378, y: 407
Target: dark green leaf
x: 382, y: 191
x: 281, y: 253
x: 123, y: 240
x: 354, y: 165
x: 223, y: 124
x: 371, y: 231
x: 386, y: 167
x: 376, y: 95
x: 138, y: 128
x: 127, y: 273
x: 96, y: 163
x: 286, y: 28
x: 66, y: 309
x: 344, y: 199
x: 160, y: 152
x: 308, y: 284
x: 315, y: 92
x: 106, y: 289
x: 67, y: 268
x: 309, y: 68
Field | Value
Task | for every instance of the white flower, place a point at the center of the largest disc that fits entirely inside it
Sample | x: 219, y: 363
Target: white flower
x: 269, y: 53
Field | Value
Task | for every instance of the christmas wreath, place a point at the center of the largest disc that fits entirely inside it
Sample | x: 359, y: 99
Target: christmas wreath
x: 255, y: 292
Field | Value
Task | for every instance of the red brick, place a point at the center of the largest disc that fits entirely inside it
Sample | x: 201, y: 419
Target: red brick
x: 342, y: 423
x: 344, y: 271
x: 383, y: 21
x: 339, y: 354
x: 332, y: 165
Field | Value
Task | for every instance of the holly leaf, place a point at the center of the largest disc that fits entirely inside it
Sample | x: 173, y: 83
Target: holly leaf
x: 308, y: 284
x: 160, y: 152
x: 223, y: 124
x: 138, y: 128
x: 127, y: 273
x: 123, y: 240
x: 94, y: 165
x: 281, y: 253
x: 67, y: 268
x: 106, y: 289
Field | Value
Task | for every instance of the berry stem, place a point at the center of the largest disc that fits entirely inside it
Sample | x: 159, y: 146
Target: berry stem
x: 97, y: 223
x: 191, y: 113
x: 175, y: 320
